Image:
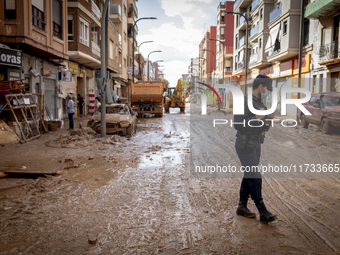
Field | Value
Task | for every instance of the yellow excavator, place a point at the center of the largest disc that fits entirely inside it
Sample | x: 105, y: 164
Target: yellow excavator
x: 176, y: 98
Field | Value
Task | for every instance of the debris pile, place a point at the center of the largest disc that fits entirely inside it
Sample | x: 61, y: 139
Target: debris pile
x: 79, y: 138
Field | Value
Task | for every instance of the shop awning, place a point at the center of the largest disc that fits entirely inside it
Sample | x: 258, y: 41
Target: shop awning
x: 322, y: 8
x: 274, y: 32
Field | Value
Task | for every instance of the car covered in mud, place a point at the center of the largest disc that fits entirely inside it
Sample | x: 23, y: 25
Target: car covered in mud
x: 324, y: 109
x: 120, y: 120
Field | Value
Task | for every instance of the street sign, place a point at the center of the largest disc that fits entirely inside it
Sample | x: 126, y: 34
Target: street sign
x: 129, y: 71
x: 222, y: 90
x: 99, y: 74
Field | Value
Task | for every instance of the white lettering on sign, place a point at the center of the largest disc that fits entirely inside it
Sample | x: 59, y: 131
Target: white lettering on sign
x: 6, y: 58
x: 13, y: 74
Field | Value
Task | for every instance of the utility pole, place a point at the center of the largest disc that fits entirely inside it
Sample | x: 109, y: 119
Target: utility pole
x: 102, y: 82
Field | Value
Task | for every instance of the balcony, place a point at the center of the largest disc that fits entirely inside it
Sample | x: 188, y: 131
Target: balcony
x: 133, y: 4
x: 242, y: 4
x: 253, y: 58
x: 95, y: 10
x: 240, y: 65
x: 116, y: 13
x: 95, y: 49
x: 254, y: 4
x: 236, y: 4
x: 254, y: 30
x: 241, y: 42
x: 321, y: 8
x: 329, y: 54
x: 275, y: 13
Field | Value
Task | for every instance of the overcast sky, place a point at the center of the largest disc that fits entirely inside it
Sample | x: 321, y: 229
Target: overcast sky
x: 177, y: 32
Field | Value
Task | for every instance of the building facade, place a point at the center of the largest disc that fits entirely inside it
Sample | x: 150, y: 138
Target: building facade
x: 324, y: 22
x: 38, y: 30
x: 273, y: 44
x: 207, y: 53
x: 59, y: 48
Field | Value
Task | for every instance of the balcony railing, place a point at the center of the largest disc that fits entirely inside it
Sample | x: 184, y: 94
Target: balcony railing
x: 95, y: 49
x: 95, y: 10
x: 241, y: 42
x: 254, y: 31
x: 275, y: 13
x: 240, y: 65
x: 254, y: 4
x: 253, y: 58
x: 328, y: 52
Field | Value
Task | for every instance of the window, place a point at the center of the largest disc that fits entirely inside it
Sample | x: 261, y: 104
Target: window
x: 236, y: 41
x: 222, y: 32
x: 222, y: 18
x: 314, y: 83
x: 321, y: 83
x: 311, y: 101
x: 94, y: 37
x: 124, y: 62
x: 124, y: 8
x: 38, y: 16
x: 10, y: 9
x: 124, y: 35
x: 57, y: 19
x: 111, y: 49
x: 83, y: 32
x: 306, y: 32
x: 117, y: 53
x: 70, y: 28
x: 285, y: 27
x: 260, y: 43
x: 261, y: 13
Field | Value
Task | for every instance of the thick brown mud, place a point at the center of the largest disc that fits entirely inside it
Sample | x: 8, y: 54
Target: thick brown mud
x: 118, y: 195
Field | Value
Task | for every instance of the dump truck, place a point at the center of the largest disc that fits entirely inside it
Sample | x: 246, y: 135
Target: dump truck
x: 147, y: 97
x: 176, y: 98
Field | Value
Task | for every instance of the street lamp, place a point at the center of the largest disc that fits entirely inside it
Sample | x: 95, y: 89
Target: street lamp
x: 133, y: 45
x: 223, y: 53
x: 214, y: 63
x: 148, y: 62
x: 154, y: 66
x: 246, y: 67
x: 139, y: 68
x: 200, y: 66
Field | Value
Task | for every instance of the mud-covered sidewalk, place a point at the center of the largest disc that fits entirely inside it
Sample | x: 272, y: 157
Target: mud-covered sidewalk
x: 117, y: 195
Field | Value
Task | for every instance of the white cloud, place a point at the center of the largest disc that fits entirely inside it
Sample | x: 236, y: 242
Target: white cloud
x: 179, y: 44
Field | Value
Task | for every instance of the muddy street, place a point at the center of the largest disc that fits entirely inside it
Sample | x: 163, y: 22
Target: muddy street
x: 118, y: 195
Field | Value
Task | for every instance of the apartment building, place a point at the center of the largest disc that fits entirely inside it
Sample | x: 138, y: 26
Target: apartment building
x: 119, y: 15
x: 207, y: 53
x: 141, y: 66
x: 274, y: 32
x: 35, y: 31
x: 324, y: 22
x: 224, y: 45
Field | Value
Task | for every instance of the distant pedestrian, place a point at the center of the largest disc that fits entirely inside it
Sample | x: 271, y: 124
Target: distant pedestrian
x: 81, y: 104
x: 118, y: 101
x: 70, y: 110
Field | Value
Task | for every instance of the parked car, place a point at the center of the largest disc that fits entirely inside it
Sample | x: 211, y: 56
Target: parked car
x: 120, y: 120
x: 325, y: 110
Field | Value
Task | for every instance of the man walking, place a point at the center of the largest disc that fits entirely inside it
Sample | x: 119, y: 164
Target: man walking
x: 81, y: 104
x: 248, y: 148
x: 70, y: 110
